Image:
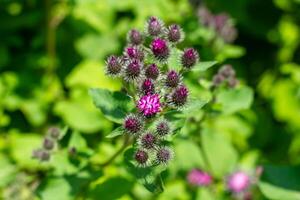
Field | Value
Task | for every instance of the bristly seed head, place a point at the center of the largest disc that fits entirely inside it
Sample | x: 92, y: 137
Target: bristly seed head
x: 172, y: 79
x: 154, y: 26
x: 227, y: 71
x: 133, y: 124
x: 134, y: 52
x: 152, y: 71
x: 133, y: 70
x: 149, y: 105
x: 148, y: 87
x: 113, y: 66
x: 54, y: 133
x: 164, y: 155
x: 175, y: 33
x: 160, y: 49
x: 48, y: 144
x: 179, y: 96
x: 135, y: 37
x: 163, y: 128
x: 148, y: 141
x: 189, y: 58
x: 141, y: 157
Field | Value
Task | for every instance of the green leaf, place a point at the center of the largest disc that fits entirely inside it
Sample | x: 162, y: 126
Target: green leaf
x: 233, y: 100
x: 281, y: 182
x: 203, y: 66
x: 184, y: 160
x: 114, y: 105
x: 220, y: 154
x: 118, y: 131
x: 205, y: 194
x: 77, y: 141
x: 149, y: 177
x: 56, y: 188
x: 174, y: 59
x: 111, y: 189
x: 194, y: 106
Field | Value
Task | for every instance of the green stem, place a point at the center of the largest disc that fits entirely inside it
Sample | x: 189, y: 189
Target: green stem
x: 117, y: 153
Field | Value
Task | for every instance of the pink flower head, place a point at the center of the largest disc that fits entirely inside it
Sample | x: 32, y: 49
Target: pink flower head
x: 149, y: 104
x: 238, y: 182
x: 199, y: 178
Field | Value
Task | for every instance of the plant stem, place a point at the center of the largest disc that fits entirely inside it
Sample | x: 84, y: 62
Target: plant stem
x: 117, y: 153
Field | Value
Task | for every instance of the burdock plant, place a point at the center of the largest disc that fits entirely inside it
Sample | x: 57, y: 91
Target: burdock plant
x: 153, y: 100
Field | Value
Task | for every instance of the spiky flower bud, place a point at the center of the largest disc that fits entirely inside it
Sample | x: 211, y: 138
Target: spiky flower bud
x: 160, y: 49
x: 133, y: 124
x: 147, y: 87
x: 149, y: 105
x: 172, y: 79
x: 113, y: 66
x: 135, y: 37
x: 141, y: 157
x: 189, y: 58
x: 152, y: 71
x: 148, y: 140
x: 227, y: 71
x: 179, y: 96
x: 199, y: 178
x: 218, y: 79
x: 54, y: 133
x: 232, y: 82
x: 174, y: 33
x: 238, y: 182
x: 134, y: 52
x: 163, y: 128
x: 44, y: 156
x: 154, y: 26
x: 133, y: 70
x: 164, y: 155
x: 48, y: 144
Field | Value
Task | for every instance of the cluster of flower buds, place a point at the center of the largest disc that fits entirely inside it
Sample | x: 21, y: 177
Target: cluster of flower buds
x: 238, y: 183
x: 49, y: 143
x: 153, y: 85
x: 226, y: 74
x: 221, y: 23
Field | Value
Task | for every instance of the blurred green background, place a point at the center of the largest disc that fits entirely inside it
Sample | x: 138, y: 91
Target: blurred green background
x: 53, y: 51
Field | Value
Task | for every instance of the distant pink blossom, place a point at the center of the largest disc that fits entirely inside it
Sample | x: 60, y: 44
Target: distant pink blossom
x: 199, y: 178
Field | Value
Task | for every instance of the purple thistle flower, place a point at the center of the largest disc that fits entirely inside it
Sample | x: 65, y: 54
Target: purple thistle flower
x: 54, y: 133
x: 133, y: 124
x: 199, y: 178
x: 135, y: 37
x: 227, y: 71
x: 148, y: 87
x: 154, y: 26
x: 164, y: 155
x: 149, y: 105
x: 133, y: 70
x: 238, y: 182
x: 141, y: 157
x: 160, y: 49
x: 148, y: 140
x: 172, y: 79
x: 218, y: 79
x: 113, y: 66
x: 189, y: 58
x: 179, y: 96
x: 175, y: 33
x: 152, y: 71
x: 134, y: 53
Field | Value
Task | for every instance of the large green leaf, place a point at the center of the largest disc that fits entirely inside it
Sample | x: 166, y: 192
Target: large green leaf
x: 114, y: 105
x: 220, y: 154
x: 111, y: 189
x: 281, y: 182
x: 233, y: 100
x: 203, y: 66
